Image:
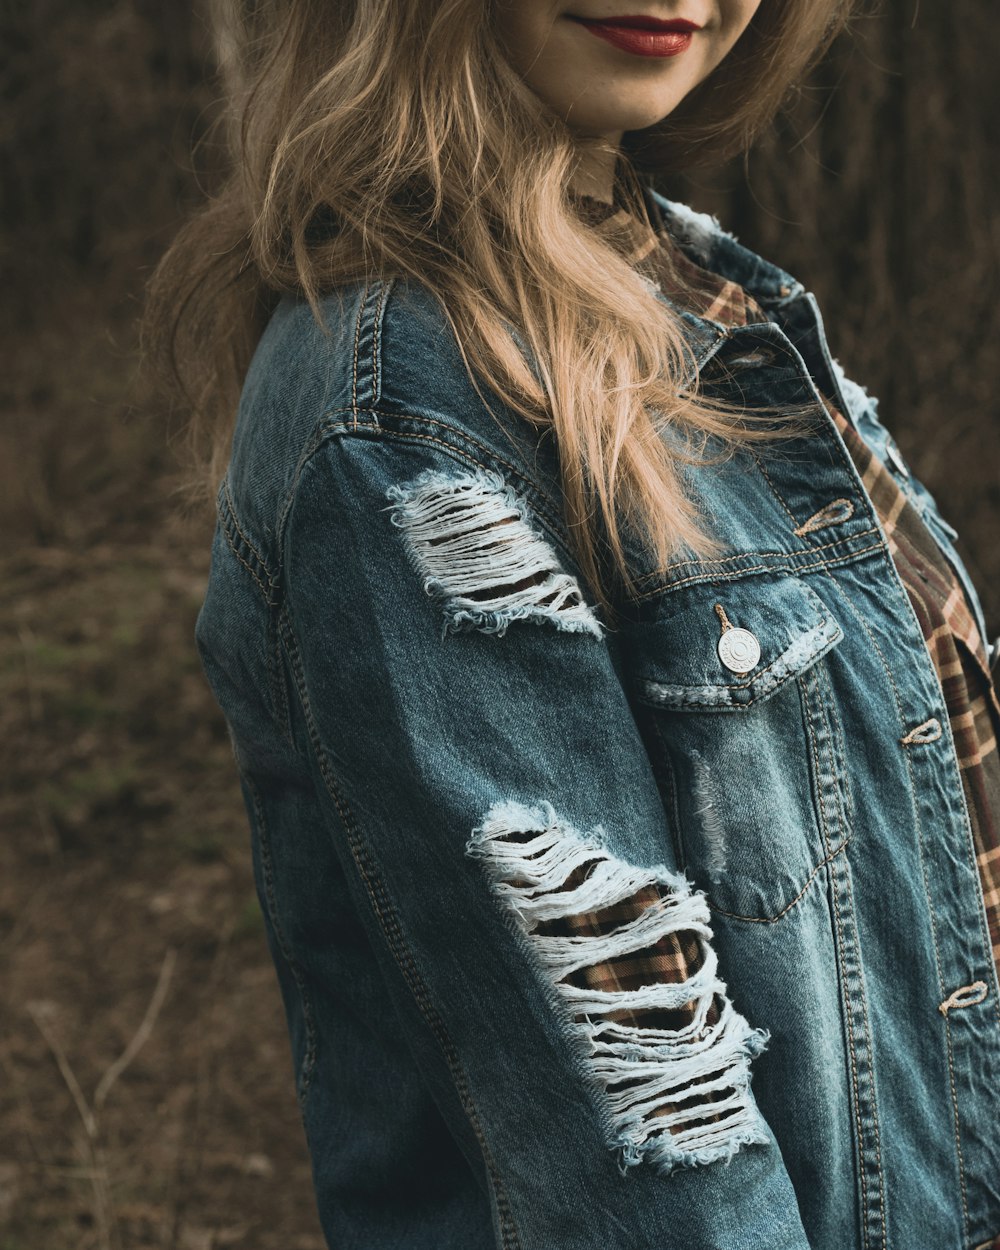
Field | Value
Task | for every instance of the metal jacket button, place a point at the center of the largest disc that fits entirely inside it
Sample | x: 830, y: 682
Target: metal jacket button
x: 739, y: 650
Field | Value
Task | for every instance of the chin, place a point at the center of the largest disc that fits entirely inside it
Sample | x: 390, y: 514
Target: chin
x: 624, y: 119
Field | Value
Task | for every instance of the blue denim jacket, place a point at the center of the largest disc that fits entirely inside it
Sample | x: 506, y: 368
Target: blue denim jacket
x: 435, y: 727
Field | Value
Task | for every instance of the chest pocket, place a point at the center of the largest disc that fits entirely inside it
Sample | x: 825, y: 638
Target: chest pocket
x: 739, y: 728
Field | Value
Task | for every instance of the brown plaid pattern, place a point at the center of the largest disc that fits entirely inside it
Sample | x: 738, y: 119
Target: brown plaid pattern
x: 953, y: 640
x: 945, y: 618
x: 653, y: 253
x: 673, y: 958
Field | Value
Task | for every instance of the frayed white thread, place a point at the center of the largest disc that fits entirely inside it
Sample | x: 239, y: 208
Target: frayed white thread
x: 699, y: 230
x: 471, y: 541
x: 636, y: 1071
x: 856, y: 397
x: 708, y: 817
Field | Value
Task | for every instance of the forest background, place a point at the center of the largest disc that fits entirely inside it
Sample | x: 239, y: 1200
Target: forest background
x: 146, y: 1097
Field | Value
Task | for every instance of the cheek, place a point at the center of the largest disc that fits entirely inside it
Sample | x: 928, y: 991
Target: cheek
x: 524, y: 30
x: 546, y: 56
x: 737, y: 15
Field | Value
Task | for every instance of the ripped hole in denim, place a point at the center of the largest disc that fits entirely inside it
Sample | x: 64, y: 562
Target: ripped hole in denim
x: 470, y: 539
x: 627, y: 951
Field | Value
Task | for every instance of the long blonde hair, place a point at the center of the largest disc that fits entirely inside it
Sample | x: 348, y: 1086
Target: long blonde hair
x: 392, y: 137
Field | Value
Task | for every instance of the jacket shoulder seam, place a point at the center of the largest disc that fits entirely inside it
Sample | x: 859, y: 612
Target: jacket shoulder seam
x: 366, y: 362
x: 482, y: 457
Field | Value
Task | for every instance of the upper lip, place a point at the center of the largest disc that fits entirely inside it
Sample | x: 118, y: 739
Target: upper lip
x: 641, y: 21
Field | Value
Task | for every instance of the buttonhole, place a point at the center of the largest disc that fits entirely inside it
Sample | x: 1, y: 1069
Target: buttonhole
x: 836, y: 512
x: 928, y: 731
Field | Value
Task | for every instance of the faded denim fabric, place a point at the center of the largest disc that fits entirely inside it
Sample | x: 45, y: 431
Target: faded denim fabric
x: 447, y: 754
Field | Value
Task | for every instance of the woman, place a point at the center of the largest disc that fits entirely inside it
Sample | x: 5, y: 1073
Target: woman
x: 612, y: 710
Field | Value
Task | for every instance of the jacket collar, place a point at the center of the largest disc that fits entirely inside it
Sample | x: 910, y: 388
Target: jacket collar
x: 701, y: 238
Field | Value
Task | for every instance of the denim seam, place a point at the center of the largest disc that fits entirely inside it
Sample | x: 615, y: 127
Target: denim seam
x: 308, y: 1066
x: 845, y: 799
x: 723, y: 332
x: 844, y: 794
x: 759, y: 460
x: 851, y: 1040
x: 838, y: 921
x: 897, y: 698
x: 395, y: 939
x: 384, y: 288
x: 228, y: 522
x: 760, y: 555
x: 279, y: 686
x: 230, y: 528
x: 784, y: 563
x: 233, y: 547
x: 357, y: 342
x: 251, y: 547
x: 326, y: 425
x: 312, y: 445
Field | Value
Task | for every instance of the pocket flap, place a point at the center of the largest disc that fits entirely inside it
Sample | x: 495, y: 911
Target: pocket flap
x: 676, y: 660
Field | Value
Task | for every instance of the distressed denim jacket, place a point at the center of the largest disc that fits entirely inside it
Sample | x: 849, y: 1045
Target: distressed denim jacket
x: 448, y: 756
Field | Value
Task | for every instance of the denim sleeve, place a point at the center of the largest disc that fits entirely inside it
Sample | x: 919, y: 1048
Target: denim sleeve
x: 488, y: 794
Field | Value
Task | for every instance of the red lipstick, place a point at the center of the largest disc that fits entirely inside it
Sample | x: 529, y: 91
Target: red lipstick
x: 642, y: 35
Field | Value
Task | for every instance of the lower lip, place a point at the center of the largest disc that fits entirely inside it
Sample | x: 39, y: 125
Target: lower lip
x: 642, y: 42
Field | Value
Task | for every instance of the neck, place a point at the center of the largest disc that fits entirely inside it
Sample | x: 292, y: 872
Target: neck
x: 596, y: 172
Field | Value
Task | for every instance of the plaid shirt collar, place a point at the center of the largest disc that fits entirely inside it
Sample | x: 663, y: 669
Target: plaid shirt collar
x: 706, y: 304
x: 639, y: 227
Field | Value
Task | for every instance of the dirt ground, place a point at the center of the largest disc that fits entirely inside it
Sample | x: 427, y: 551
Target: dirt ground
x: 146, y: 1095
x: 146, y: 1090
